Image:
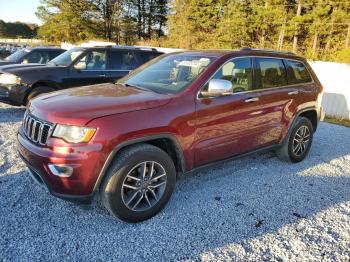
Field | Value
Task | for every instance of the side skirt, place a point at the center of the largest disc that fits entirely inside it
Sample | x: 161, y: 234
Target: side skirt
x: 220, y: 162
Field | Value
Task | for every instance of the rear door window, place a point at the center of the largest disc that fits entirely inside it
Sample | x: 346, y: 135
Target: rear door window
x: 122, y: 60
x: 297, y: 72
x: 271, y: 73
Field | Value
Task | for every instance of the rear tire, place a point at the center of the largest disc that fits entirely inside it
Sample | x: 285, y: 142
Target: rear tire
x: 39, y: 90
x: 297, y: 144
x: 139, y: 183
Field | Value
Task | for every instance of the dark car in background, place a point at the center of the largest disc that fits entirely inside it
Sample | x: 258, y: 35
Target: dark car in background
x: 7, y: 48
x: 4, y: 53
x: 76, y: 67
x: 40, y: 55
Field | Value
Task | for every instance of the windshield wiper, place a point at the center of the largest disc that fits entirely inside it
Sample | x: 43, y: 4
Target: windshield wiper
x: 139, y: 87
x: 136, y: 86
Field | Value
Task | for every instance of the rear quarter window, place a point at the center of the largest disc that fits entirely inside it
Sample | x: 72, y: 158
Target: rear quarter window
x: 297, y: 72
x: 122, y: 60
x: 147, y: 56
x: 54, y: 53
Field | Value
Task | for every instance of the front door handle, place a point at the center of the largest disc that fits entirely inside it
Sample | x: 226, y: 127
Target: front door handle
x: 251, y: 100
x: 102, y: 75
x: 293, y: 93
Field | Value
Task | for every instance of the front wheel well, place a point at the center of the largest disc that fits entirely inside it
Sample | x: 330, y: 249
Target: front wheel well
x: 312, y: 116
x: 165, y: 143
x: 43, y: 84
x: 38, y: 87
x: 170, y: 147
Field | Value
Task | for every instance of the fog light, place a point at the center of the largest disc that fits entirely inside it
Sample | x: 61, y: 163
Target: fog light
x: 61, y: 170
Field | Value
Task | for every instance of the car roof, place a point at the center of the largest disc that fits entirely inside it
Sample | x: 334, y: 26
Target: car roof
x: 243, y: 52
x: 122, y: 47
x: 44, y: 48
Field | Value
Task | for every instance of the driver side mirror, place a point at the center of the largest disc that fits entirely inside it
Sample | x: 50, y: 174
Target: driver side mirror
x: 80, y: 66
x: 218, y: 87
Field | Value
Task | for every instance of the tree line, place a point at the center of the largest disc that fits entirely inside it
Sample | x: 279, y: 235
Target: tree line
x: 120, y: 21
x: 317, y: 29
x: 17, y: 30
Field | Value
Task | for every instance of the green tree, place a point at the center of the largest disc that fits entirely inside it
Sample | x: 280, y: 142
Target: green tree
x: 17, y: 30
x: 2, y: 29
x: 231, y: 31
x: 180, y: 25
x: 114, y: 20
x: 68, y: 20
x: 318, y: 29
x: 194, y: 22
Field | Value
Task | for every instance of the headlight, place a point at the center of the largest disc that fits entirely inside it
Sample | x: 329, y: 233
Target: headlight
x: 74, y: 134
x: 9, y: 79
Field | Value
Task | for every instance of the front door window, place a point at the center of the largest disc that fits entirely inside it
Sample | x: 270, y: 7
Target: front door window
x: 239, y: 72
x: 93, y: 60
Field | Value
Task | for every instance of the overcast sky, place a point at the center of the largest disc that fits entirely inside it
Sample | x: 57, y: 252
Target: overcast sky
x: 19, y: 10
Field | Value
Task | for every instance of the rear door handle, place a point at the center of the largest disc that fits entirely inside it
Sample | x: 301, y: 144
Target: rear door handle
x: 251, y: 100
x: 293, y: 92
x: 102, y: 75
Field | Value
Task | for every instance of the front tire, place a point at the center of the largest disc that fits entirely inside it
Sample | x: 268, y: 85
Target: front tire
x: 298, y: 143
x: 138, y: 183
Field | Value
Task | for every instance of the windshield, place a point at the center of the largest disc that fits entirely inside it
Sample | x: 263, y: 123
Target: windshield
x: 17, y: 56
x: 169, y: 74
x: 66, y: 58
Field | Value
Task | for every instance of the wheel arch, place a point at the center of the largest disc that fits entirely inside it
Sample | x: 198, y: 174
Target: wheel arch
x: 45, y: 83
x: 166, y: 142
x: 310, y: 113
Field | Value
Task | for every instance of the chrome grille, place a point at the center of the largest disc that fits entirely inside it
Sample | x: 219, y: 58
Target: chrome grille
x: 36, y: 130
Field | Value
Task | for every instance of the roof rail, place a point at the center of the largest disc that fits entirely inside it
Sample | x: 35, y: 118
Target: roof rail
x: 128, y: 47
x: 267, y: 50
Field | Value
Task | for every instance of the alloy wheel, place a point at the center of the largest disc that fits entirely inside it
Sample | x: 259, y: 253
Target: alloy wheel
x: 144, y: 186
x: 301, y: 140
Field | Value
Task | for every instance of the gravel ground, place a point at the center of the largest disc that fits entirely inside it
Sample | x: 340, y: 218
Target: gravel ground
x: 254, y: 208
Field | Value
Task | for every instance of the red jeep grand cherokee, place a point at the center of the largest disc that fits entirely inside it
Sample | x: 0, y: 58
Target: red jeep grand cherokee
x: 126, y: 142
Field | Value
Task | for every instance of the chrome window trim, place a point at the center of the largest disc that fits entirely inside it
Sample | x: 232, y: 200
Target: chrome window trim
x: 256, y: 90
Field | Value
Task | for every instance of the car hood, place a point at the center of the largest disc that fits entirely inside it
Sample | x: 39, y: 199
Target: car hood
x: 10, y: 67
x: 78, y: 106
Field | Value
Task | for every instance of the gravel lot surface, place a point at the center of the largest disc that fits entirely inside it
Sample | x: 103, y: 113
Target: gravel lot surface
x: 254, y: 208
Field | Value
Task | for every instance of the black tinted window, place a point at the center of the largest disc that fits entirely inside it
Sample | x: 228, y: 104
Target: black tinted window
x: 271, y: 72
x: 145, y: 56
x: 53, y: 54
x: 297, y: 72
x: 122, y: 60
x: 41, y: 57
x: 239, y: 72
